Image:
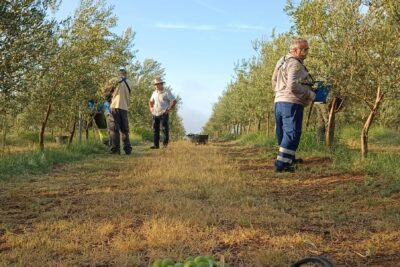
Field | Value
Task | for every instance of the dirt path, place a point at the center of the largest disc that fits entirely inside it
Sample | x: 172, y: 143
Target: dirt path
x: 195, y: 200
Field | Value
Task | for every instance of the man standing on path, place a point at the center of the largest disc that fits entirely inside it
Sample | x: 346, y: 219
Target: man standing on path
x: 161, y: 103
x: 119, y: 111
x: 292, y: 85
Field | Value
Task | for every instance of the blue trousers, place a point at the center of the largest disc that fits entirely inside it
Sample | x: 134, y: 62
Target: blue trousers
x: 289, y: 120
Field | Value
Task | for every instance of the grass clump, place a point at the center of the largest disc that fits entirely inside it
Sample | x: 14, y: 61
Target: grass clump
x: 384, y: 165
x: 34, y: 162
x: 345, y: 159
x: 258, y: 139
x: 309, y: 144
x: 145, y: 134
x: 26, y: 138
x: 227, y: 137
x: 376, y: 135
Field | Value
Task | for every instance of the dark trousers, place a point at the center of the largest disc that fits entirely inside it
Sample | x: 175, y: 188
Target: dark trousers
x: 164, y: 121
x: 120, y: 123
x: 289, y: 120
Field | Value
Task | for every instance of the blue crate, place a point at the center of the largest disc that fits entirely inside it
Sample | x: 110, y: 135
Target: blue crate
x: 321, y: 92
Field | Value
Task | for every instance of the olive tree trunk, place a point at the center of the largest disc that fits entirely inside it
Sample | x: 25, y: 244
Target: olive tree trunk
x: 330, y: 127
x: 72, y: 132
x: 368, y: 122
x: 43, y: 127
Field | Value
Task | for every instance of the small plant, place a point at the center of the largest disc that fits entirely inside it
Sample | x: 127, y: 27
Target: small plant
x: 199, y: 261
x: 145, y: 134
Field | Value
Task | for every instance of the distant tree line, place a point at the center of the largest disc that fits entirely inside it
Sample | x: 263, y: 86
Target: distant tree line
x: 354, y: 47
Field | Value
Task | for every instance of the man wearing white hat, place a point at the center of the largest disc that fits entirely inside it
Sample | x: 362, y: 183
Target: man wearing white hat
x: 161, y: 103
x: 119, y: 111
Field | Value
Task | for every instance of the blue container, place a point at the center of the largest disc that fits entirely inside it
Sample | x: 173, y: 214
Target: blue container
x: 322, y: 92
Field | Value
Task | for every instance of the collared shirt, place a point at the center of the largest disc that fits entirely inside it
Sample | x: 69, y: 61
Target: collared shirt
x: 162, y: 100
x: 292, y: 82
x: 120, y: 97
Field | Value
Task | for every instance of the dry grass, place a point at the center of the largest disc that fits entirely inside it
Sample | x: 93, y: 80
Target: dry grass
x: 195, y: 200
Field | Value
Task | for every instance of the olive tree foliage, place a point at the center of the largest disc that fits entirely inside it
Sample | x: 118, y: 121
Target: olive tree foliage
x: 247, y: 103
x: 226, y: 117
x: 333, y: 54
x: 382, y: 41
x: 387, y: 62
x: 355, y: 48
x: 51, y: 69
x: 25, y: 36
x: 220, y: 121
x: 93, y: 55
x: 87, y: 54
x: 239, y: 109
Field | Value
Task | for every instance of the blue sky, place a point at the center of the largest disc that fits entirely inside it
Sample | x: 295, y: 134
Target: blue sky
x: 198, y: 42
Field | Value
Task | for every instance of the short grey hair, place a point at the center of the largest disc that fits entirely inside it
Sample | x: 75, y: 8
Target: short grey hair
x: 296, y: 43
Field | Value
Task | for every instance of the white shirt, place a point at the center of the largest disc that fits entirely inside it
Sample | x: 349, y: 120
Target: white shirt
x: 161, y: 100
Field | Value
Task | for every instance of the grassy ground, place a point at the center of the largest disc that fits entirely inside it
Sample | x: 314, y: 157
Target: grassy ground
x: 187, y: 200
x: 30, y: 160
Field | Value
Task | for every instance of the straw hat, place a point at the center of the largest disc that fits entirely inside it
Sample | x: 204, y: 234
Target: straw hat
x: 158, y: 80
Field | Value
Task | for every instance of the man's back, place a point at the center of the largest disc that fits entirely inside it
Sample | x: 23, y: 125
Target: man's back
x: 120, y: 98
x: 291, y: 82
